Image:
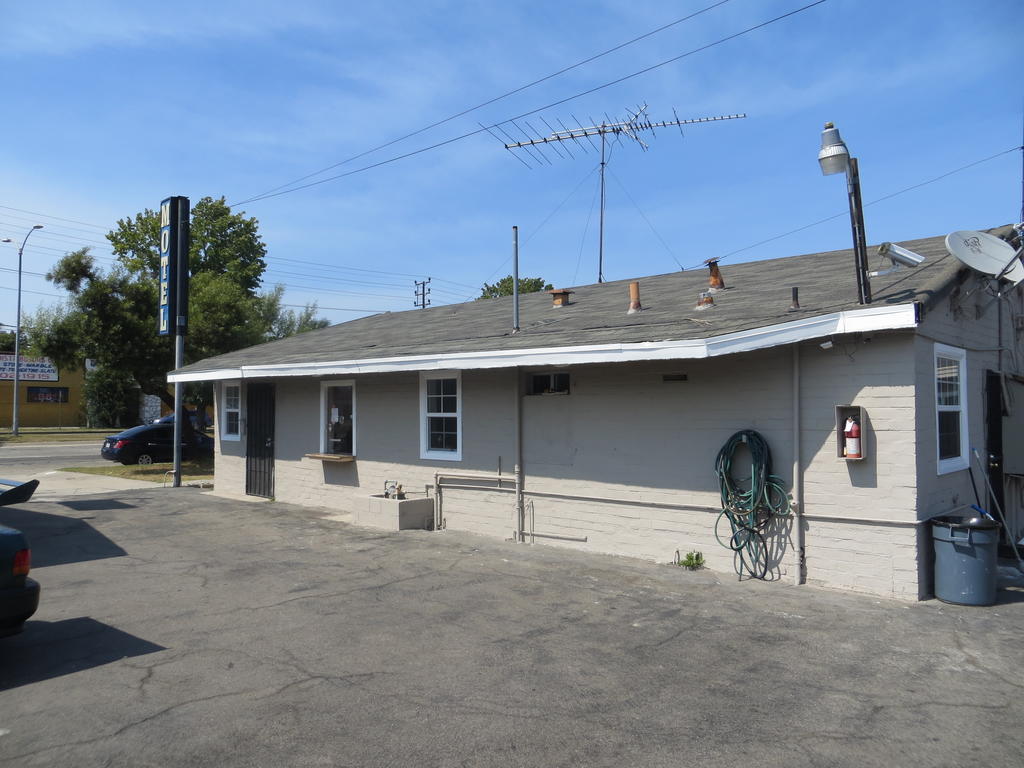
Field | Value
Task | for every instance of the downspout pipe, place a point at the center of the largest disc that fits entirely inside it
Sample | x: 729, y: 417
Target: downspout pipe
x: 519, y: 507
x: 798, y: 477
x: 437, y: 501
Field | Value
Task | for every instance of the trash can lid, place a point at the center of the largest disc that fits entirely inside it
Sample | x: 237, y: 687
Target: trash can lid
x: 976, y: 522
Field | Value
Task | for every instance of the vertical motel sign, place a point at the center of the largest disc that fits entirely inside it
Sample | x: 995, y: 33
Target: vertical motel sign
x: 172, y: 315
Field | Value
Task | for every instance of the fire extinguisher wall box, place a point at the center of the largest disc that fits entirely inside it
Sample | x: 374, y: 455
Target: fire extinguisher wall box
x: 851, y: 433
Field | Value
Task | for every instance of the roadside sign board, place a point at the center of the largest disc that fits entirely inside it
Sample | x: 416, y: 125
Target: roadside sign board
x: 31, y: 369
x: 174, y: 241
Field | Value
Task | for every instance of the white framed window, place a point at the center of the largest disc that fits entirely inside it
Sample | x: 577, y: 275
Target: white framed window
x: 951, y: 409
x: 441, y: 415
x: 231, y: 411
x: 338, y: 417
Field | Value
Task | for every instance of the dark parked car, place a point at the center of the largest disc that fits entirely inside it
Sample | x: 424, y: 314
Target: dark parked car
x: 19, y: 595
x: 152, y: 443
x: 199, y: 419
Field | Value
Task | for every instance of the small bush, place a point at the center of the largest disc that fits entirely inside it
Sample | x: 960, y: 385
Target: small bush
x: 692, y: 561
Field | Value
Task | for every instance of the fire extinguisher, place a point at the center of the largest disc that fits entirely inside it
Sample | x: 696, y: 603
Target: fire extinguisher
x: 852, y: 434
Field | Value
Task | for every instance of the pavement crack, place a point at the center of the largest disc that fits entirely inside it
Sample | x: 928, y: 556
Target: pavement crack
x: 134, y: 724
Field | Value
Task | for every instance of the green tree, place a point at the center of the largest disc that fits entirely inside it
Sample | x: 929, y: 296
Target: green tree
x: 111, y: 316
x: 281, y: 321
x: 222, y: 242
x: 111, y: 398
x: 504, y: 287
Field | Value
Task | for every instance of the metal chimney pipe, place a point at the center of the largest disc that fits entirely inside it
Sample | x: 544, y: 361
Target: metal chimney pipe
x: 634, y: 298
x: 515, y: 279
x: 715, y: 281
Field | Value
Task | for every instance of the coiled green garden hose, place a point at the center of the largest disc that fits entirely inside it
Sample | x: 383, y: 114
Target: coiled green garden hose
x: 749, y: 508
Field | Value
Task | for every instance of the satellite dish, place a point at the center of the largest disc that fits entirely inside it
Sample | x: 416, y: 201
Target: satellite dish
x: 986, y: 253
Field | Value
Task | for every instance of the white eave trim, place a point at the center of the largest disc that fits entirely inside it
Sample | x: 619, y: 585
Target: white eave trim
x: 883, y: 318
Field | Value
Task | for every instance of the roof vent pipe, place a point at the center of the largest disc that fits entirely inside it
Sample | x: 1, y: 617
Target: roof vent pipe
x: 560, y: 297
x: 715, y: 281
x: 796, y: 300
x: 515, y: 279
x: 705, y: 301
x: 634, y: 298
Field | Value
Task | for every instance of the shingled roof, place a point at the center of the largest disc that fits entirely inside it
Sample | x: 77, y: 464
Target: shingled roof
x: 757, y: 296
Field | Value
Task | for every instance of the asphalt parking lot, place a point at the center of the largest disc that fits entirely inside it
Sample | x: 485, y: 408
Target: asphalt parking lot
x: 181, y: 629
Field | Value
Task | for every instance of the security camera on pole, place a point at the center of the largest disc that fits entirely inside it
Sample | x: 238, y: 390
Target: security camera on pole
x: 172, y: 315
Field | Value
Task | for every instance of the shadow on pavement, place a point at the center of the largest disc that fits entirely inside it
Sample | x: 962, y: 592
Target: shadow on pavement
x: 48, y: 649
x: 95, y: 505
x: 57, y: 540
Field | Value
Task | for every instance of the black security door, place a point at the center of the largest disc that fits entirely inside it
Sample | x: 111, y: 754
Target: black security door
x: 259, y: 442
x: 994, y: 438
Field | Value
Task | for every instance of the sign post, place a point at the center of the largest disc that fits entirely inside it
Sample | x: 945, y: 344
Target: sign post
x: 172, y: 316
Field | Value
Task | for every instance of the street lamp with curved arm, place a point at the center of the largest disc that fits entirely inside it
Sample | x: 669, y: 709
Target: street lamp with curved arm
x: 17, y: 334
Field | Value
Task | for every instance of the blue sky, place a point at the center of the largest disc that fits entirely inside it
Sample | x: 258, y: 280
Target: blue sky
x: 112, y: 106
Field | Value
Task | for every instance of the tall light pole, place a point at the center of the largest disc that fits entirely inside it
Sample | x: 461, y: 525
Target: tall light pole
x: 833, y: 158
x: 17, y: 334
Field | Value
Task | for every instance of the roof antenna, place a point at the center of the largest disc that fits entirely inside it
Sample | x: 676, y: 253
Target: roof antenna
x: 631, y: 127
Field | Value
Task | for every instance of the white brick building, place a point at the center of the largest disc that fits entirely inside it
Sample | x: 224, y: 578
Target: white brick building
x: 620, y: 457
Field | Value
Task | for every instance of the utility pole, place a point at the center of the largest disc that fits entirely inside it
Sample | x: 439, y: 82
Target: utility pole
x: 17, y: 334
x: 421, y: 301
x: 631, y: 128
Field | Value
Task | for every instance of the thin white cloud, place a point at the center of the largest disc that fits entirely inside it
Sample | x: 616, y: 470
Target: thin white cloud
x: 65, y: 27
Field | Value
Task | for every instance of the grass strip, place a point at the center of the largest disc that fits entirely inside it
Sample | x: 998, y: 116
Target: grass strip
x: 191, y: 471
x: 55, y: 435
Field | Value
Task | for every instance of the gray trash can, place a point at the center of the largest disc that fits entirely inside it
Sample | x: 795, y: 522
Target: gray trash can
x: 965, y: 559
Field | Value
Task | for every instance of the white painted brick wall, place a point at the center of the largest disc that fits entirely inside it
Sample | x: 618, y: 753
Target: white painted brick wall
x: 624, y: 433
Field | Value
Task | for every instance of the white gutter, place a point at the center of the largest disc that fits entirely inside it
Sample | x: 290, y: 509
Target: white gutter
x: 875, y: 318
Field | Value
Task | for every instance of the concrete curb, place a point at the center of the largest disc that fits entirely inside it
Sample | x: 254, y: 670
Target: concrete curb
x: 57, y: 485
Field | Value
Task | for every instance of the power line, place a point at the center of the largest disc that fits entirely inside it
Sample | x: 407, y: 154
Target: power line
x: 23, y: 271
x: 333, y: 278
x: 490, y: 101
x: 586, y: 228
x: 321, y: 289
x: 339, y: 309
x: 286, y: 285
x: 455, y: 295
x: 319, y: 265
x: 268, y: 278
x: 644, y: 216
x: 56, y: 233
x: 37, y: 247
x: 50, y: 227
x: 48, y: 216
x: 37, y: 293
x: 565, y: 100
x: 361, y: 269
x: 559, y: 206
x: 540, y: 226
x: 872, y: 202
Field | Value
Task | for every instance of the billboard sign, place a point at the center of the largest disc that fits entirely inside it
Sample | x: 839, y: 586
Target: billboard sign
x: 47, y: 394
x: 173, y: 248
x: 31, y: 369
